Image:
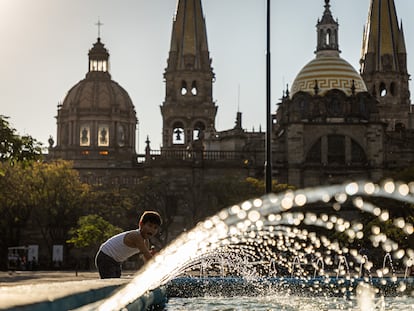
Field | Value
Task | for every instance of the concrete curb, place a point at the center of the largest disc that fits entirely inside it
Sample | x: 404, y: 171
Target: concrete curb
x: 152, y: 300
x: 56, y: 295
x: 69, y: 302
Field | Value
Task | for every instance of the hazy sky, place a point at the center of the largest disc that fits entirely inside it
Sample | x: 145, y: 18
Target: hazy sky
x: 44, y: 46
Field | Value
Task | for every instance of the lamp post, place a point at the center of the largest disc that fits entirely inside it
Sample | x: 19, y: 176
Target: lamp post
x: 268, y: 163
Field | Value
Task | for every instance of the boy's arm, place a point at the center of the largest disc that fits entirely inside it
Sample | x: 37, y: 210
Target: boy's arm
x: 134, y: 239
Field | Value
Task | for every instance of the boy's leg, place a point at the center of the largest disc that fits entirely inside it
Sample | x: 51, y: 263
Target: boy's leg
x: 107, y: 266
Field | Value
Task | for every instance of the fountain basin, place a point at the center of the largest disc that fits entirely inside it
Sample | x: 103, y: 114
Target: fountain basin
x: 185, y: 287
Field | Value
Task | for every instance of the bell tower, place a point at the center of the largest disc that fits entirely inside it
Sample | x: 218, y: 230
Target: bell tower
x: 384, y: 64
x: 327, y: 29
x: 188, y: 109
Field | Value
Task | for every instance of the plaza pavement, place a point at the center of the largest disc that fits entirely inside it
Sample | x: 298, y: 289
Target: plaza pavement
x: 48, y: 290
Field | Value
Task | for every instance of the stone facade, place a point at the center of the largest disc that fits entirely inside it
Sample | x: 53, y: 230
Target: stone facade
x: 335, y: 124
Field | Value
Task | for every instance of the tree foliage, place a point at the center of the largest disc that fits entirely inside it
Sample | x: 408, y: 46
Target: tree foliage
x: 16, y: 148
x: 91, y: 231
x: 15, y: 201
x: 58, y: 197
x: 42, y: 198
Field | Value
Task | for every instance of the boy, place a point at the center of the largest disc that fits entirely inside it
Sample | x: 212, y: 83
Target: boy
x: 118, y: 248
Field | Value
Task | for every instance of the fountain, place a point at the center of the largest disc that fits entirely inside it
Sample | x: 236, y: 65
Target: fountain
x: 343, y: 263
x: 317, y: 269
x: 365, y: 265
x: 296, y: 263
x: 409, y: 267
x: 242, y: 244
x: 272, y: 268
x: 384, y: 262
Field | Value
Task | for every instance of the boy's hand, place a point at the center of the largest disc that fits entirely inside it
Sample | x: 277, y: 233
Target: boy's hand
x: 153, y: 251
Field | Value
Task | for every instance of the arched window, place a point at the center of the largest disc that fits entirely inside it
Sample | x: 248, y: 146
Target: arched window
x: 328, y: 37
x: 183, y: 88
x: 383, y: 89
x: 357, y: 153
x: 178, y: 134
x: 98, y: 65
x: 336, y: 151
x: 103, y: 135
x: 121, y: 135
x: 335, y: 106
x: 84, y: 135
x: 198, y: 130
x: 194, y: 90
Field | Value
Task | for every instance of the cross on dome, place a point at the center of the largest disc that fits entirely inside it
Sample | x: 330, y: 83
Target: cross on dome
x: 99, y: 24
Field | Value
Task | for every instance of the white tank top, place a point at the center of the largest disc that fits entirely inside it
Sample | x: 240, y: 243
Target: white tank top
x: 116, y: 248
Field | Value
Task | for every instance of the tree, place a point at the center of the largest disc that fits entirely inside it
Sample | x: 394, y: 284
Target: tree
x: 91, y: 231
x: 38, y: 198
x: 59, y: 198
x: 15, y: 205
x: 16, y: 148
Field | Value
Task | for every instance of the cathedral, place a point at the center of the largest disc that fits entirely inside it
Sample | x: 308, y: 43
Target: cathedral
x: 336, y: 124
x: 332, y: 125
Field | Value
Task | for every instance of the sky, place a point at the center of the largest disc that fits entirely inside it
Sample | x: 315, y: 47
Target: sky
x: 44, y: 48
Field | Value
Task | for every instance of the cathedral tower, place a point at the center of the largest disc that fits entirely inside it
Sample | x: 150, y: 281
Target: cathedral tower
x: 327, y: 128
x: 328, y: 70
x: 384, y: 64
x: 327, y: 29
x: 188, y: 108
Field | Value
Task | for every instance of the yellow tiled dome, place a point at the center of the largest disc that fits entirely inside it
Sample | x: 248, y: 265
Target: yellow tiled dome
x: 330, y: 72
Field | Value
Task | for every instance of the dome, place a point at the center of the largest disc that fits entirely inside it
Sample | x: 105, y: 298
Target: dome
x: 330, y: 72
x: 98, y: 90
x: 97, y: 118
x: 97, y: 94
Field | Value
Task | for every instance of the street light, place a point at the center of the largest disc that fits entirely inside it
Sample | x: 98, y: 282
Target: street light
x: 268, y: 163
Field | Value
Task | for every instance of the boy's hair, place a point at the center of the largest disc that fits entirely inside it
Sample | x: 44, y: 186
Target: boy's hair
x: 152, y: 217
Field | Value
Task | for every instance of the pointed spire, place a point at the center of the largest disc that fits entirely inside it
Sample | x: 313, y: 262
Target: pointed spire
x: 401, y: 42
x: 353, y: 88
x: 238, y: 124
x: 287, y: 91
x: 327, y: 15
x: 316, y: 87
x: 383, y: 44
x: 147, y: 149
x: 189, y: 48
x: 384, y: 63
